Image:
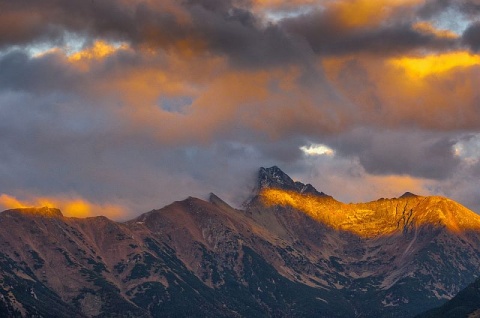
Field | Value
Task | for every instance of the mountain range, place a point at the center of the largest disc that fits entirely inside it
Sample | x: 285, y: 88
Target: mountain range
x: 290, y: 251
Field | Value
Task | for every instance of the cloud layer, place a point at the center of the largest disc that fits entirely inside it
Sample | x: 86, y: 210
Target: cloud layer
x: 129, y: 105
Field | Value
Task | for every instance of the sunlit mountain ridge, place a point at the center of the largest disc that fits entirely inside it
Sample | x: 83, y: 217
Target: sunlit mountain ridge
x: 381, y: 217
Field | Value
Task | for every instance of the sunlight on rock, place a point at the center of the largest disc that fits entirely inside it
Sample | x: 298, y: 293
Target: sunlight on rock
x: 381, y: 217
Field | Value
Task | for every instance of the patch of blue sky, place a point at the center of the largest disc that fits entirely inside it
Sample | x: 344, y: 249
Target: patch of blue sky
x: 452, y: 20
x: 70, y: 43
x: 469, y: 148
x: 175, y: 104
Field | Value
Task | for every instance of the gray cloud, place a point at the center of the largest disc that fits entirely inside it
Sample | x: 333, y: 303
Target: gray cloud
x: 20, y: 72
x: 432, y: 8
x: 327, y: 36
x: 471, y: 36
x: 227, y: 28
x: 413, y: 153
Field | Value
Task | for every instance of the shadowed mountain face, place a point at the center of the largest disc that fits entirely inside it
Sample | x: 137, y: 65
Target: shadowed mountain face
x: 291, y: 252
x: 465, y: 304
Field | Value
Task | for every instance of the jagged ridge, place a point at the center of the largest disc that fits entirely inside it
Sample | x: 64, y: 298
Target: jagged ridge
x: 275, y: 178
x: 381, y: 217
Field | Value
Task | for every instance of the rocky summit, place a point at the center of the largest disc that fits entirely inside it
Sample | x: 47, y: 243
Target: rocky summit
x: 291, y: 251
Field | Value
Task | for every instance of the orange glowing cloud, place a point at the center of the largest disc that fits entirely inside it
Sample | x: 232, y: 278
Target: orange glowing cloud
x: 180, y: 72
x: 71, y: 207
x: 434, y: 64
x: 354, y: 12
x: 99, y: 50
x: 431, y: 91
x: 428, y: 28
x: 220, y: 99
x: 358, y: 13
x: 9, y: 202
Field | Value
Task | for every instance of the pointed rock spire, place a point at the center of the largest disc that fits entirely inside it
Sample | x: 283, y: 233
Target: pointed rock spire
x: 274, y: 177
x: 408, y: 195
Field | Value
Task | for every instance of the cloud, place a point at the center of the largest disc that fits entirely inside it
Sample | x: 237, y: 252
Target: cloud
x: 471, y: 36
x: 359, y: 26
x: 412, y: 153
x: 434, y: 7
x: 347, y: 180
x: 139, y: 103
x: 430, y: 65
x: 223, y: 28
x: 387, y: 93
x: 70, y: 207
x: 230, y: 29
x: 317, y: 150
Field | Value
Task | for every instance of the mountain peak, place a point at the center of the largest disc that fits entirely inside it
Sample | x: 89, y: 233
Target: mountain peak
x: 215, y: 200
x: 408, y: 195
x: 275, y: 178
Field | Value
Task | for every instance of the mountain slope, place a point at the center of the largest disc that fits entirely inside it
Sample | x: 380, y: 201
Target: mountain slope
x: 465, y: 304
x: 291, y: 252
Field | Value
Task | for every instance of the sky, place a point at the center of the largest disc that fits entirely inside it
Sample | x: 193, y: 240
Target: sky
x: 118, y: 107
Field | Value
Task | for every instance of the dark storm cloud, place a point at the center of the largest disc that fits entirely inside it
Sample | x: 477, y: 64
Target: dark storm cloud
x: 52, y: 72
x: 326, y: 35
x: 224, y: 27
x: 240, y: 35
x: 433, y: 7
x: 30, y: 21
x: 20, y: 72
x: 471, y: 36
x: 227, y: 28
x: 415, y: 153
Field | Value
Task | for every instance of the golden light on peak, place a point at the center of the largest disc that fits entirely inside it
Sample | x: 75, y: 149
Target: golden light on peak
x: 420, y: 67
x: 383, y: 217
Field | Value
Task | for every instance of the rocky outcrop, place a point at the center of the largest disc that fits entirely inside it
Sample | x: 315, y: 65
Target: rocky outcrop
x: 275, y: 178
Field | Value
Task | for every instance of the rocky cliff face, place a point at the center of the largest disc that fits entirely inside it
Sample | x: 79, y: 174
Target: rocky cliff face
x: 291, y: 252
x: 275, y: 178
